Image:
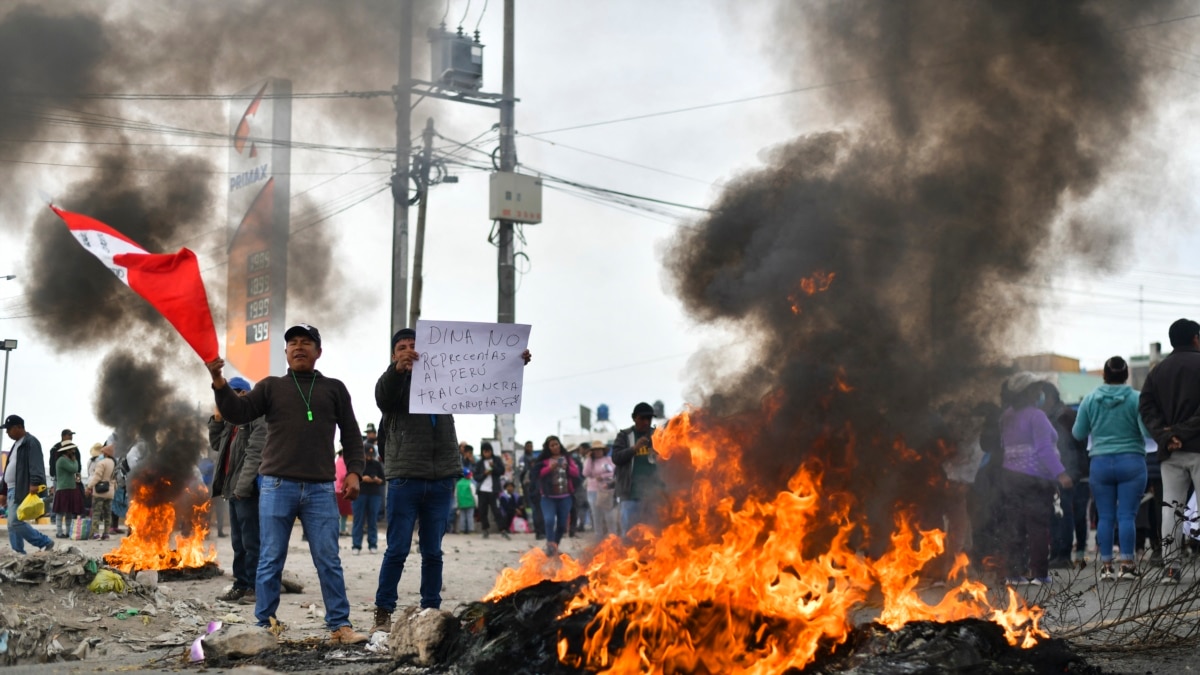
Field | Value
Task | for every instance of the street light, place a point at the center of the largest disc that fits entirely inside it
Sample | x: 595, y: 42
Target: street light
x: 7, y: 346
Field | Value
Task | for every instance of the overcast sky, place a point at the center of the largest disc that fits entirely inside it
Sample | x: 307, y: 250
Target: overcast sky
x: 606, y: 326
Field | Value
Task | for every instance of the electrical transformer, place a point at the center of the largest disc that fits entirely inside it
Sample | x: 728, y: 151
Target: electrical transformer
x: 456, y: 60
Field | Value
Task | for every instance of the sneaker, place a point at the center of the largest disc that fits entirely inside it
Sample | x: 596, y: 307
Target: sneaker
x: 104, y: 537
x: 358, y: 551
x: 1016, y: 581
x: 373, y: 550
x: 1130, y: 573
x: 346, y: 636
x: 383, y: 621
x: 1107, y: 573
x: 49, y: 546
x: 551, y: 549
x: 1041, y: 581
x: 1156, y: 560
x: 486, y: 534
x: 232, y: 595
x: 248, y: 598
x: 505, y: 535
x: 1170, y: 577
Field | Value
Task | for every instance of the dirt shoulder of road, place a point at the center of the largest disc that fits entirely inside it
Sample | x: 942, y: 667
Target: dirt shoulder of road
x: 171, y: 615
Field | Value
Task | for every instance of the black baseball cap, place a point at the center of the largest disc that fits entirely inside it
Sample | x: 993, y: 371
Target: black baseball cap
x: 643, y: 409
x: 403, y: 334
x: 13, y: 421
x: 66, y: 432
x: 303, y: 329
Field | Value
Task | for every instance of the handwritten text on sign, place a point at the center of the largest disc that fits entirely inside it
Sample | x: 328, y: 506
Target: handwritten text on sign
x: 468, y: 368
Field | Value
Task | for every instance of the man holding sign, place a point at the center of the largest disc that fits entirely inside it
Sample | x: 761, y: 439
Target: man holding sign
x: 417, y: 440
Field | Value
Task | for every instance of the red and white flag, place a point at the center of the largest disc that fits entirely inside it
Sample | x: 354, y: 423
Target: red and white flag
x: 169, y: 282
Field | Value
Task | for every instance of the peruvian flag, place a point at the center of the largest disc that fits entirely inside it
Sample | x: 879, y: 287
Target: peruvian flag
x: 169, y: 282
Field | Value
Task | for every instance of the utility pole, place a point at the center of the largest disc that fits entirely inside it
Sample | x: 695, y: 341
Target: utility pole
x: 419, y: 253
x: 506, y: 271
x: 403, y: 100
x: 506, y: 263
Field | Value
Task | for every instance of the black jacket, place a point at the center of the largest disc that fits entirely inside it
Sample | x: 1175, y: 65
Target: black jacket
x: 1170, y: 402
x: 31, y: 467
x: 413, y: 446
x: 623, y: 453
x: 496, y: 476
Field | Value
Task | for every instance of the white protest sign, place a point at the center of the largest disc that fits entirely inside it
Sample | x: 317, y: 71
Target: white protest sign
x: 468, y: 368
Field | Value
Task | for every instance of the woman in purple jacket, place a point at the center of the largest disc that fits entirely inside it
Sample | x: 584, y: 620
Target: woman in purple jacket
x: 1031, y: 467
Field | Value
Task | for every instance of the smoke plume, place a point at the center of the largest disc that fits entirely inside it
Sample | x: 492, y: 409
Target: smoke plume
x: 971, y: 128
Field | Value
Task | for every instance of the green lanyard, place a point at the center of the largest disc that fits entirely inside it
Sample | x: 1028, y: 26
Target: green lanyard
x: 307, y: 401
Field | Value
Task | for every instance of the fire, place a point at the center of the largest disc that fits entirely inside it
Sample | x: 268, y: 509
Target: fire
x: 819, y: 282
x: 739, y: 585
x: 150, y: 526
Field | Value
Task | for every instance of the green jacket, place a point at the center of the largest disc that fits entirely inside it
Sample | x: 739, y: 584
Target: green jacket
x: 464, y: 493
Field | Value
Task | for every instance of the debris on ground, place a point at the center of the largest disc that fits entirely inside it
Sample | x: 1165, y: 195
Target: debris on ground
x: 61, y: 569
x: 422, y: 635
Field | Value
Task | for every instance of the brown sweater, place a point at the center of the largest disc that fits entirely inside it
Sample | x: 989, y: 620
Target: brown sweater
x: 296, y: 448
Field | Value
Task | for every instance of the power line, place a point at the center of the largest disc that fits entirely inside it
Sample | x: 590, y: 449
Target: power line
x: 379, y: 93
x: 158, y: 170
x: 618, y: 193
x: 619, y: 160
x: 813, y: 87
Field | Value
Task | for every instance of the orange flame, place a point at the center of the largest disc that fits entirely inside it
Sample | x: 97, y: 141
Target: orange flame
x: 738, y: 586
x: 148, y: 545
x: 819, y: 282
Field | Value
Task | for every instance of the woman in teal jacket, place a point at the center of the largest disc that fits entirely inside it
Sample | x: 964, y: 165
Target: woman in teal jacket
x: 1118, y: 463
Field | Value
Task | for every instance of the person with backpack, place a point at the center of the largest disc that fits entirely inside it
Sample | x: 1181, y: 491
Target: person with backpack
x: 101, y: 487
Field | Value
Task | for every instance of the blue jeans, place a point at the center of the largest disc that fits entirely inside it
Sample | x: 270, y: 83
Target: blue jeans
x: 243, y: 534
x: 280, y: 502
x: 366, y: 516
x: 466, y: 520
x: 421, y: 503
x: 20, y: 531
x: 1118, y: 483
x: 557, y: 513
x: 631, y: 514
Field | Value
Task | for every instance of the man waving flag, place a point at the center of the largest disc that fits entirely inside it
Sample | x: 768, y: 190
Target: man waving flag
x: 169, y: 282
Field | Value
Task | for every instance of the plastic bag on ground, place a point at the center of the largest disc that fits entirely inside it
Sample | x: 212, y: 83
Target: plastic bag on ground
x: 107, y: 581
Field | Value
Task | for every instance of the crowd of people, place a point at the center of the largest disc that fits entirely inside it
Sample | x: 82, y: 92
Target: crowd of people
x: 83, y: 498
x: 1030, y: 478
x: 1123, y: 462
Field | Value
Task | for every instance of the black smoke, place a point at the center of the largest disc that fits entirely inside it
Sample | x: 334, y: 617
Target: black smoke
x: 134, y: 397
x: 970, y: 128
